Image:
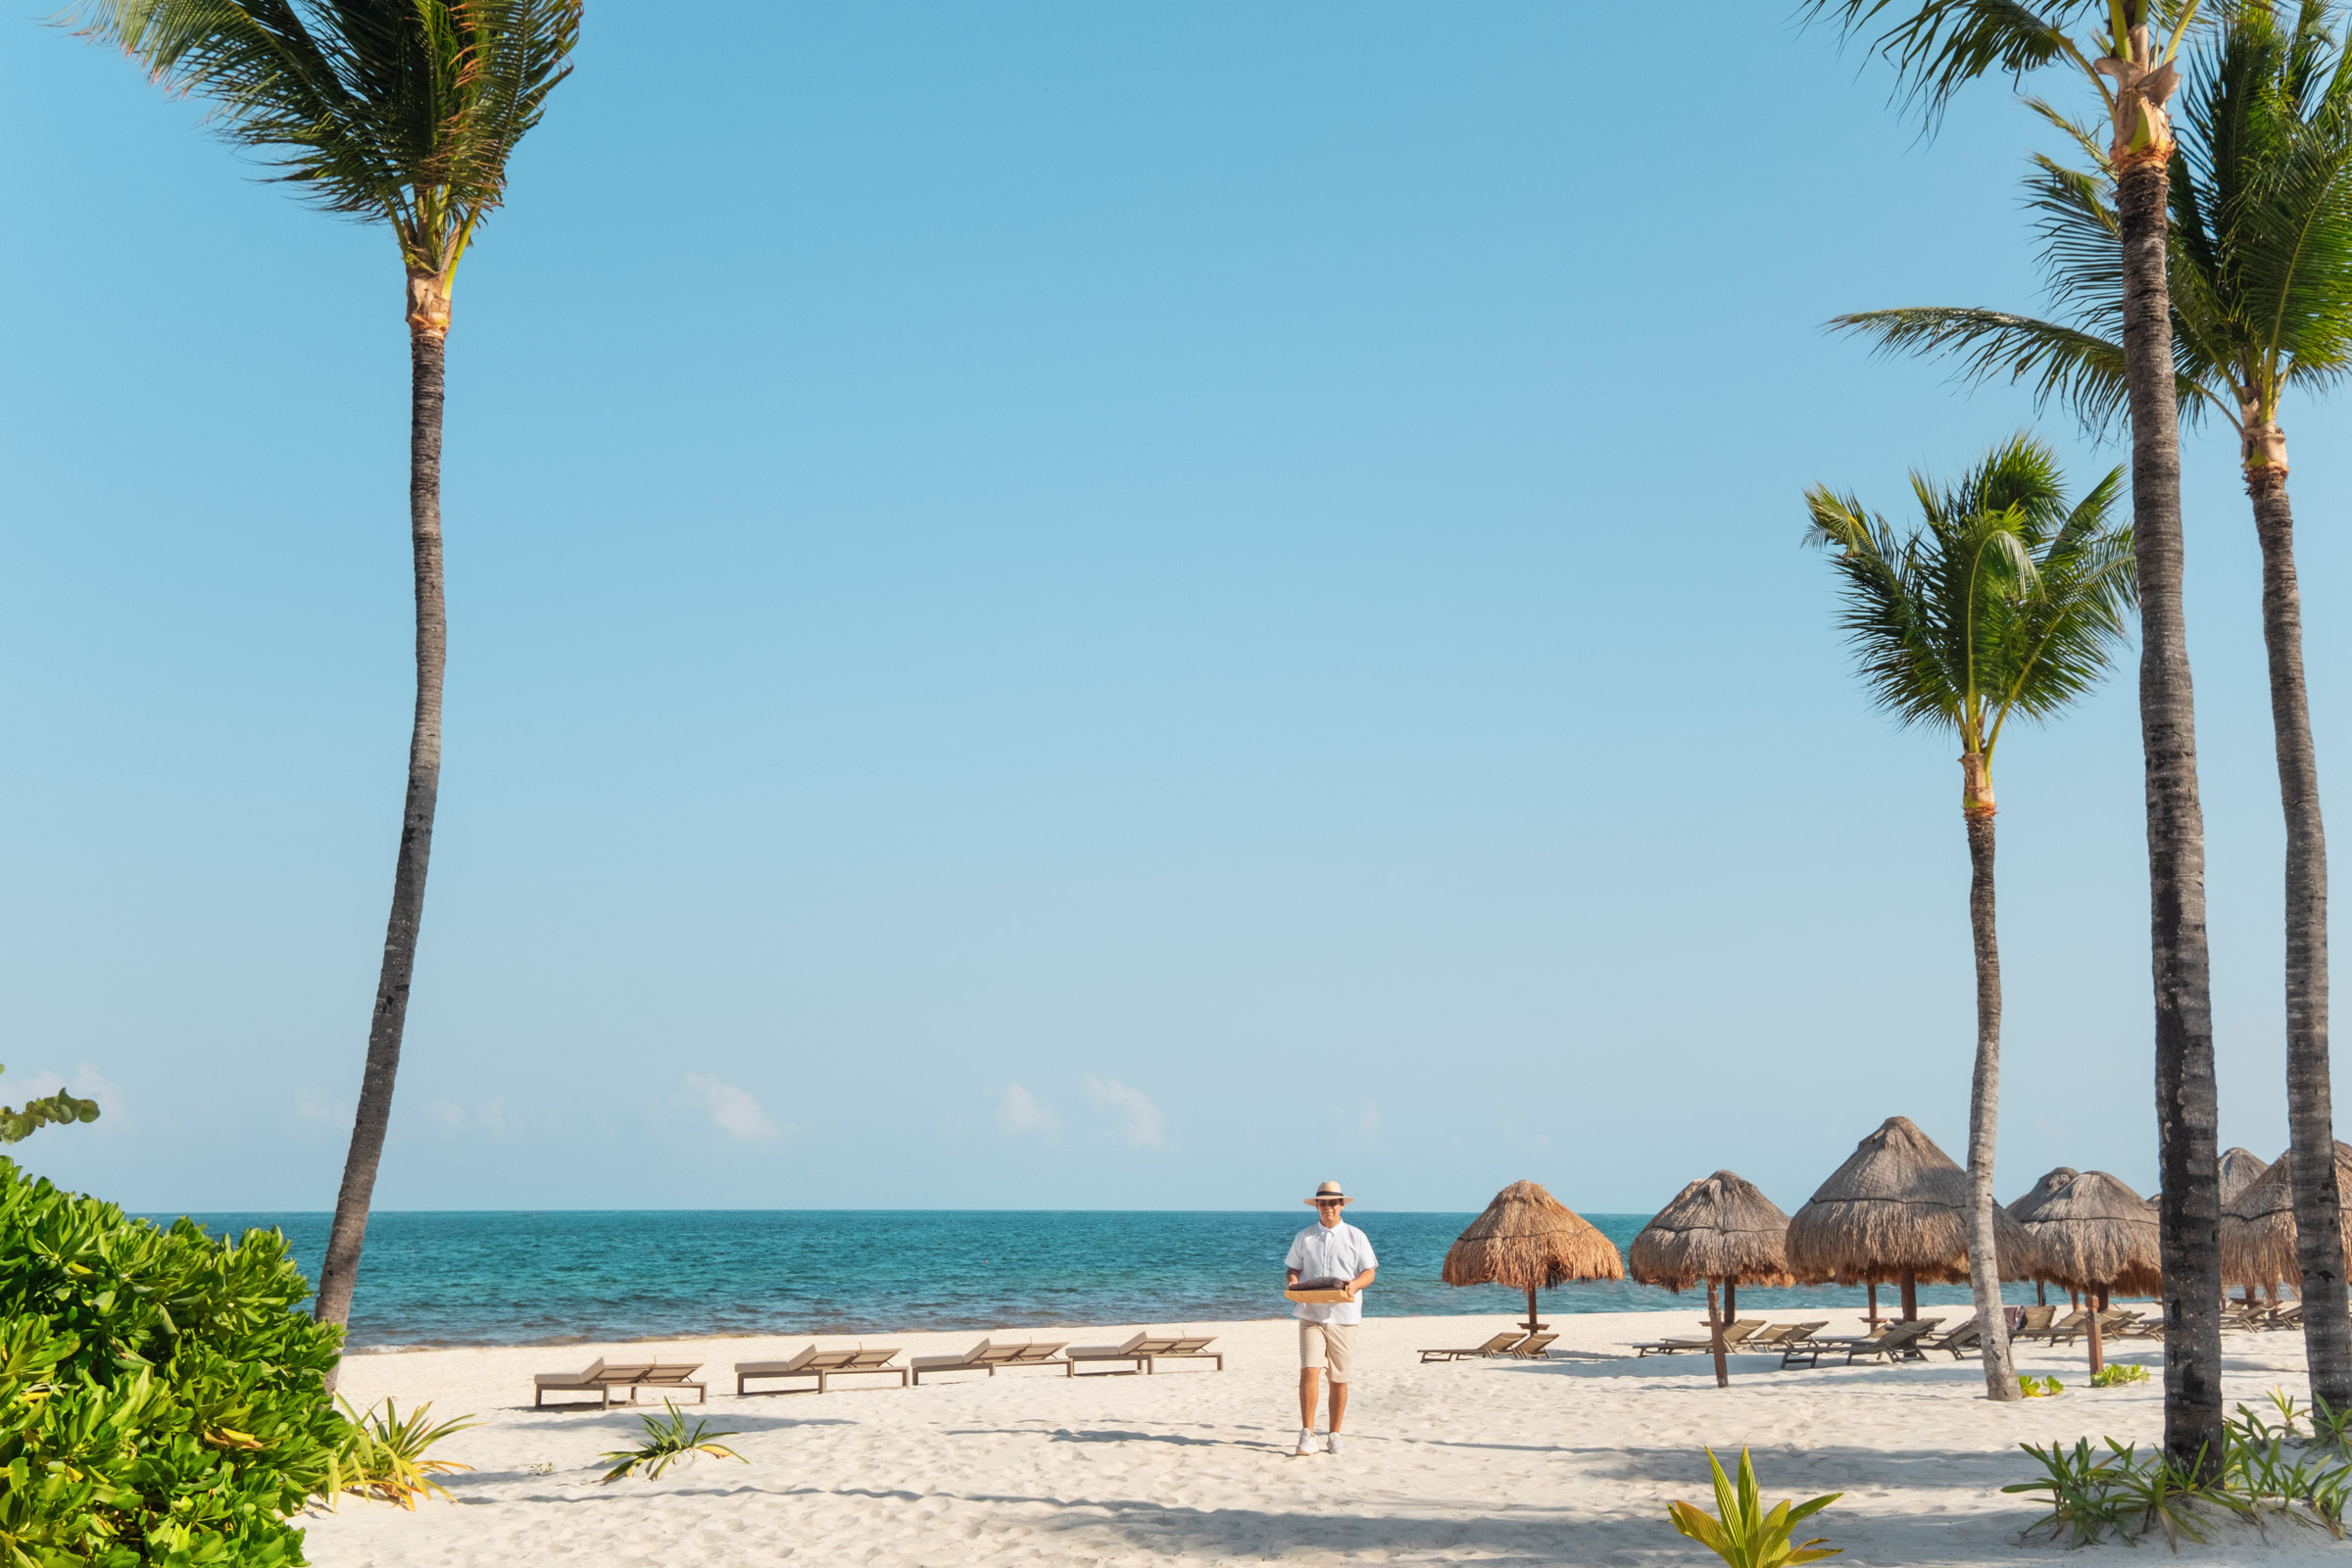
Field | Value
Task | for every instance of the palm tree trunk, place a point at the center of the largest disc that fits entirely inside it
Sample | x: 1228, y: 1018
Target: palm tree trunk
x: 1984, y: 1110
x: 2309, y: 1117
x: 426, y: 344
x: 1723, y: 1374
x: 2186, y: 1108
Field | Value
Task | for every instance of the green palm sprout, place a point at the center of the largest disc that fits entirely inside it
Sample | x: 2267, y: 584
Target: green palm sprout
x: 2006, y: 602
x: 2260, y: 266
x: 402, y: 111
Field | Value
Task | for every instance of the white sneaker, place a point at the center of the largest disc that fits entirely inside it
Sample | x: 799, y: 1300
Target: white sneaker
x: 1306, y: 1443
x: 1334, y: 1442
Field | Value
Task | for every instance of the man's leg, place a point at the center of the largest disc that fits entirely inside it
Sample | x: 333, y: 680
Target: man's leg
x: 1306, y: 1396
x: 1338, y: 1403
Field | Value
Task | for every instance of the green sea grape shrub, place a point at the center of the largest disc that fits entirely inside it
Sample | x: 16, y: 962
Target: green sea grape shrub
x: 161, y: 1396
x: 61, y: 1110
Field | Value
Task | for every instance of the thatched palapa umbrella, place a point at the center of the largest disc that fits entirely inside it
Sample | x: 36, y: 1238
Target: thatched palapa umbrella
x: 2241, y: 1168
x: 2097, y: 1236
x: 1722, y: 1230
x: 2035, y: 1195
x: 1897, y: 1209
x: 2257, y: 1228
x: 1529, y: 1241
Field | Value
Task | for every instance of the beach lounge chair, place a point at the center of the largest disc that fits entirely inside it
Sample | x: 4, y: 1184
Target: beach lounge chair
x: 2056, y: 1333
x: 1192, y: 1348
x: 1734, y: 1334
x: 671, y: 1375
x: 1900, y: 1342
x: 1534, y: 1347
x: 2111, y: 1323
x: 987, y: 1356
x: 1963, y: 1341
x: 2036, y: 1323
x: 599, y: 1379
x: 1494, y: 1346
x: 1778, y: 1338
x: 823, y: 1365
x: 1144, y: 1351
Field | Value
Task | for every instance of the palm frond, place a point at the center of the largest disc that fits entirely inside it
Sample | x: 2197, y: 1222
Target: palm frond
x: 406, y: 109
x: 2076, y: 369
x: 2006, y: 599
x: 1940, y: 46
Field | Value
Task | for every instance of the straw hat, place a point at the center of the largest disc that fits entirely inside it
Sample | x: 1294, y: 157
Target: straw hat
x: 1326, y: 1193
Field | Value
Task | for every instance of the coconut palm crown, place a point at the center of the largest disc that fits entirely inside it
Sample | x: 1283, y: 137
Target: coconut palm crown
x: 2006, y: 601
x: 399, y: 110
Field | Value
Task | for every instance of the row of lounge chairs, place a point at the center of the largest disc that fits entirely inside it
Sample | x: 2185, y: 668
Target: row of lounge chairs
x: 1142, y: 1353
x: 1804, y: 1344
x: 2262, y: 1315
x: 1515, y: 1344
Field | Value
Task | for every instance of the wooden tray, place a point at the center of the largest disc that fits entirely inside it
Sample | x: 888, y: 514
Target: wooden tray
x: 1318, y: 1296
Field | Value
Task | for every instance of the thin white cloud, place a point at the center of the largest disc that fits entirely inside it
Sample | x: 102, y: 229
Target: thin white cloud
x: 1019, y: 1116
x: 732, y: 1110
x: 1140, y: 1120
x: 318, y: 1111
x: 447, y: 1114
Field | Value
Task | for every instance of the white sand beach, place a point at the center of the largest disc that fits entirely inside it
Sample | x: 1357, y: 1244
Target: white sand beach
x: 1567, y: 1461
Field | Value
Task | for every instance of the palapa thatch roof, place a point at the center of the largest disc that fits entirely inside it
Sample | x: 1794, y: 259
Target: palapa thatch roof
x: 2040, y: 1192
x: 2258, y: 1226
x: 2095, y: 1232
x: 2241, y: 1168
x: 1898, y: 1206
x: 1528, y: 1239
x: 1720, y: 1227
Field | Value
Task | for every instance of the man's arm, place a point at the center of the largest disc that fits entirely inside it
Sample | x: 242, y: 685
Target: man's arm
x: 1361, y: 1279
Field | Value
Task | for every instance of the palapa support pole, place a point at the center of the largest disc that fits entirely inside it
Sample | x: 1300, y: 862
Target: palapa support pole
x: 1910, y: 1297
x: 1731, y: 1300
x: 1533, y: 1327
x: 1873, y: 1303
x: 1723, y: 1372
x: 2042, y: 1294
x: 2098, y: 1351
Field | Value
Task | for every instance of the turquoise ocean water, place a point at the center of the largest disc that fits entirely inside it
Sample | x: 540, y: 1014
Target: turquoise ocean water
x: 568, y: 1276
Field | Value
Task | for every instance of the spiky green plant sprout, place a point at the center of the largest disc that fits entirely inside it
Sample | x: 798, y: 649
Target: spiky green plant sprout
x: 669, y: 1439
x: 385, y: 1456
x: 1742, y: 1532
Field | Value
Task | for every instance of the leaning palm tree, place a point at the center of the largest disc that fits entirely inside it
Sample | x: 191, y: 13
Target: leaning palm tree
x: 2126, y: 50
x: 402, y: 111
x: 2006, y: 602
x: 2260, y: 269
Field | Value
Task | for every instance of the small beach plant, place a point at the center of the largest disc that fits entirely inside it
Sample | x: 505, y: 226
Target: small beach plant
x: 2117, y: 1374
x: 19, y: 1123
x: 403, y: 113
x: 667, y: 1440
x: 384, y: 1455
x: 1741, y: 1532
x: 2034, y: 1388
x: 2007, y: 601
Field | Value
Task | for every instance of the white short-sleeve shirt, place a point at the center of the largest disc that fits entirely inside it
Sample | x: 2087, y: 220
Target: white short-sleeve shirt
x: 1335, y: 1252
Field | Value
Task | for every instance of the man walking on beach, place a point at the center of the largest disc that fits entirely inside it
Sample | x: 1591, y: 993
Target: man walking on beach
x: 1328, y: 1251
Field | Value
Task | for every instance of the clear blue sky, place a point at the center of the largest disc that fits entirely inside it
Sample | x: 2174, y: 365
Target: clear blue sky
x: 1060, y: 605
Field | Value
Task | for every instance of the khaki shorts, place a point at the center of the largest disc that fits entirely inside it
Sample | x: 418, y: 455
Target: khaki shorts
x: 1329, y: 1345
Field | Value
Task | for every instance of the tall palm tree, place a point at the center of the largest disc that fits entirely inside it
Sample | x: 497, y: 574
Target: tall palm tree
x: 2005, y: 601
x: 2260, y: 269
x: 2126, y: 49
x: 403, y: 112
